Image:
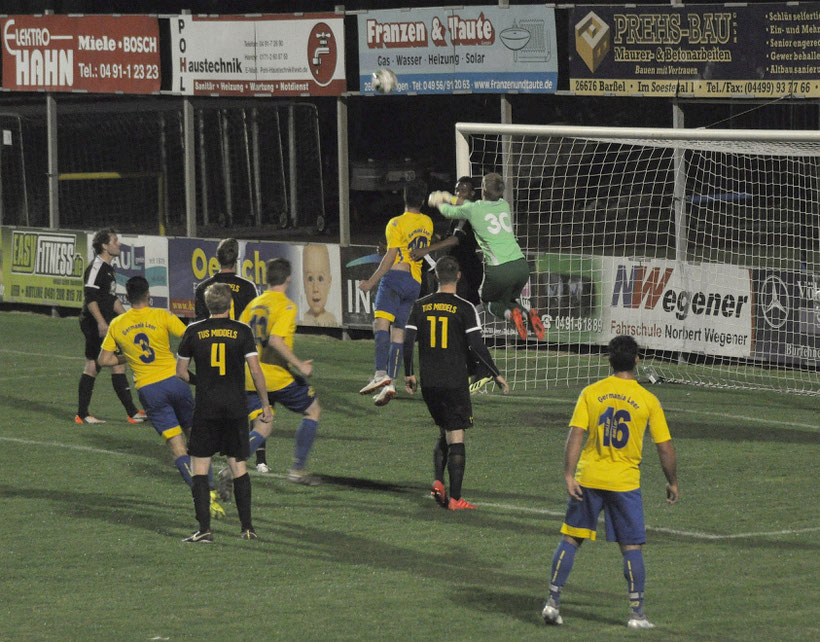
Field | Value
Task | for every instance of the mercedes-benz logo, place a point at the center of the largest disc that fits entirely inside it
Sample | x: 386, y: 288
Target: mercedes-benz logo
x: 774, y: 296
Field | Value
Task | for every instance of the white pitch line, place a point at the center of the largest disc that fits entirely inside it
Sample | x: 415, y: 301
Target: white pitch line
x: 505, y: 507
x: 658, y: 529
x: 769, y: 422
x: 693, y: 411
x: 39, y: 354
x: 55, y: 444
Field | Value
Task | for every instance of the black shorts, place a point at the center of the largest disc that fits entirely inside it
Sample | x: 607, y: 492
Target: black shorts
x: 225, y: 435
x: 450, y: 408
x: 93, y: 340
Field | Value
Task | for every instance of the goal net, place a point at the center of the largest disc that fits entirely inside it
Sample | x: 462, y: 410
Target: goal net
x: 702, y: 244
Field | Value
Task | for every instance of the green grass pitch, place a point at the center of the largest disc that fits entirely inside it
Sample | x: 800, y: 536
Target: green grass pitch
x: 92, y: 518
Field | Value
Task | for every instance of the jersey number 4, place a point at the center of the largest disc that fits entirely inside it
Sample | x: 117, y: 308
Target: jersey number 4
x: 218, y: 357
x: 616, y: 428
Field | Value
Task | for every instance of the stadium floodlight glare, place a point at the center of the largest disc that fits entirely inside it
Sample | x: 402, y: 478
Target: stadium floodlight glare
x: 702, y: 243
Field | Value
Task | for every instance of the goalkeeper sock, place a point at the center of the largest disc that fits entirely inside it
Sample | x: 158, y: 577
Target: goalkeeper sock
x: 635, y: 574
x: 202, y: 502
x: 440, y: 458
x: 84, y: 395
x: 382, y: 340
x: 456, y: 459
x: 562, y: 561
x: 120, y: 383
x: 183, y: 464
x: 498, y: 309
x: 396, y: 350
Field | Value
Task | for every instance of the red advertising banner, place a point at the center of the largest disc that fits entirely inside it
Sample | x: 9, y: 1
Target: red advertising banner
x: 101, y: 54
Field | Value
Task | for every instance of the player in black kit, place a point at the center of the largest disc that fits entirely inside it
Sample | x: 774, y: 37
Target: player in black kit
x: 447, y: 328
x: 100, y: 306
x: 220, y: 346
x: 243, y: 291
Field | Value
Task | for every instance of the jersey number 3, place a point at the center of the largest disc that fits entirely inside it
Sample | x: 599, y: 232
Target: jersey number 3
x: 148, y: 354
x: 616, y: 428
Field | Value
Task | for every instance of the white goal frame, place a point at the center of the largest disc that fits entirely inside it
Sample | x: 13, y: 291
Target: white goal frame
x: 562, y: 359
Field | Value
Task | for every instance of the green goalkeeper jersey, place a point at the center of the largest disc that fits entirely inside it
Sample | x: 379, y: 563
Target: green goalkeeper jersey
x: 492, y: 225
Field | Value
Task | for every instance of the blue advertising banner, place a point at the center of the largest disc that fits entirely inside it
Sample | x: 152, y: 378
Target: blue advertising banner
x: 708, y: 51
x: 191, y: 261
x: 484, y: 49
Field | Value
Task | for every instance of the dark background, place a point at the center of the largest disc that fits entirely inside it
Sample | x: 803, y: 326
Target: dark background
x: 417, y: 131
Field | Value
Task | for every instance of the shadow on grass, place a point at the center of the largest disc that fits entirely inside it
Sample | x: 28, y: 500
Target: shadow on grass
x: 152, y: 516
x: 452, y: 564
x: 361, y: 483
x: 725, y: 431
x: 54, y: 409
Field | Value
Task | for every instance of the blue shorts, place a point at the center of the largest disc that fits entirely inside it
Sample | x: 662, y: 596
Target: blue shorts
x: 397, y: 293
x: 623, y: 513
x: 296, y: 397
x: 169, y: 405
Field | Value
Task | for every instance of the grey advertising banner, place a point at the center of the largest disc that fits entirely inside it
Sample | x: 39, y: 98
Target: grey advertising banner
x: 787, y: 317
x: 358, y: 263
x: 482, y: 49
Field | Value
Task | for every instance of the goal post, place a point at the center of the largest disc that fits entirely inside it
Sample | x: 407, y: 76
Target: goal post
x: 701, y: 243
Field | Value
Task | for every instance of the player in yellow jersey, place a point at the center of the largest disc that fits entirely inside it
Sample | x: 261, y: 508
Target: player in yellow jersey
x: 398, y: 290
x: 272, y: 318
x: 142, y: 336
x: 614, y: 413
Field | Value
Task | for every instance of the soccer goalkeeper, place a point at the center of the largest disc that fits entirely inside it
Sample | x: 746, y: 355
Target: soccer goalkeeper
x: 505, y: 269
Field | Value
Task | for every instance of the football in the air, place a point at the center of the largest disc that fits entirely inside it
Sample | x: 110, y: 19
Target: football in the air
x: 384, y: 81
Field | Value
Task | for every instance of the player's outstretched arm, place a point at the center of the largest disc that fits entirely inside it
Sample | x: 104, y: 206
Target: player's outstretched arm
x: 666, y: 453
x: 109, y: 359
x: 572, y: 453
x: 182, y: 368
x: 419, y: 253
x: 410, y: 383
x: 261, y: 387
x: 305, y: 368
x: 502, y: 383
x: 384, y: 266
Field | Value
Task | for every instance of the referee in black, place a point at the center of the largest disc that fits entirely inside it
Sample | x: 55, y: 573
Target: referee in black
x: 447, y: 328
x: 100, y: 305
x: 219, y: 347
